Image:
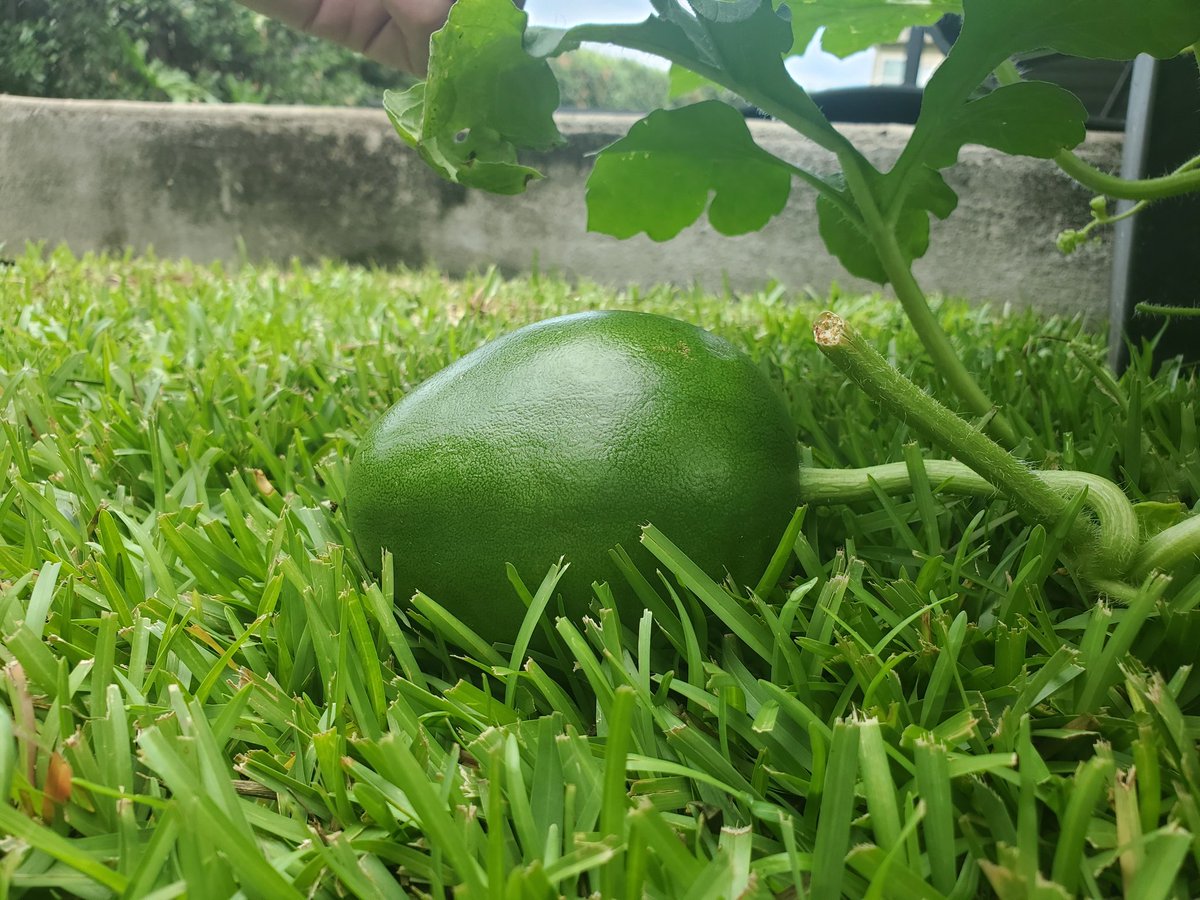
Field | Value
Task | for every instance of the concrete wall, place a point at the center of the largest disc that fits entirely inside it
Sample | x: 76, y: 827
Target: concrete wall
x: 292, y: 181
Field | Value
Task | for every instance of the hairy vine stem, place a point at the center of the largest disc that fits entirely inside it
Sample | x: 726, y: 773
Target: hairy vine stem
x: 916, y: 307
x: 811, y: 124
x: 1036, y: 500
x: 1117, y: 540
x: 1157, y: 309
x: 1183, y: 180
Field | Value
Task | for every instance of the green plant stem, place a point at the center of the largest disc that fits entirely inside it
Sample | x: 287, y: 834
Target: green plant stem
x: 908, y: 292
x: 825, y: 189
x: 817, y: 129
x: 1076, y: 238
x: 1168, y: 549
x: 1118, y: 526
x: 1036, y: 501
x: 933, y: 336
x: 1183, y: 180
x: 1155, y: 309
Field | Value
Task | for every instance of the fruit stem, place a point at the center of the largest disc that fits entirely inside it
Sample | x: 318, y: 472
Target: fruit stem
x: 1118, y: 526
x: 1036, y: 501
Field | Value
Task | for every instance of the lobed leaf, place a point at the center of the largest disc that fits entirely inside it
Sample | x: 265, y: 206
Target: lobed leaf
x: 463, y: 119
x: 683, y: 81
x: 1035, y: 119
x: 846, y: 238
x: 745, y: 51
x: 674, y: 165
x: 1031, y: 118
x: 851, y: 26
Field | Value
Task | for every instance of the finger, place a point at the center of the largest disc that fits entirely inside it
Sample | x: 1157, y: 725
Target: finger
x: 391, y: 47
x: 364, y: 26
x: 419, y: 19
x: 296, y: 13
x: 416, y: 21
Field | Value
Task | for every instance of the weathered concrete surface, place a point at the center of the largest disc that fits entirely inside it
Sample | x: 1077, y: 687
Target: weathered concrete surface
x: 207, y: 181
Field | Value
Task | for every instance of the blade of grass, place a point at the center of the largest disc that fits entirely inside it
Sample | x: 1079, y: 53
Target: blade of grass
x: 837, y: 809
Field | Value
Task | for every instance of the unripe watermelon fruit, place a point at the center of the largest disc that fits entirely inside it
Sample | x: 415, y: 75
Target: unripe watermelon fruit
x: 562, y: 439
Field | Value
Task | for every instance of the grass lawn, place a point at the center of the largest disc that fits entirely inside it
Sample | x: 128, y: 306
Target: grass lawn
x: 204, y: 692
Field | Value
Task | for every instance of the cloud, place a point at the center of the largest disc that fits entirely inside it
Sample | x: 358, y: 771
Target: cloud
x: 815, y: 70
x: 564, y: 13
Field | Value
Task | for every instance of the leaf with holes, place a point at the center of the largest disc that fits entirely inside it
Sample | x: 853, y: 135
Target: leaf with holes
x: 464, y: 120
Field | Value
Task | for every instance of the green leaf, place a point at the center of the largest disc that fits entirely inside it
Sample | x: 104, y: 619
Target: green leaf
x: 1087, y: 786
x: 613, y: 819
x: 684, y: 81
x: 725, y: 10
x: 533, y: 618
x: 1165, y: 851
x: 994, y: 30
x: 933, y: 783
x: 846, y: 238
x: 1035, y: 121
x: 1031, y: 118
x: 879, y: 788
x: 752, y: 631
x: 1155, y: 516
x: 854, y: 25
x: 887, y: 869
x: 741, y: 52
x: 660, y: 177
x: 1094, y: 29
x: 464, y: 120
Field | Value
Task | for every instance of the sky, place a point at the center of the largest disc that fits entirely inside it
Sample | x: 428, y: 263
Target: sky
x: 815, y: 70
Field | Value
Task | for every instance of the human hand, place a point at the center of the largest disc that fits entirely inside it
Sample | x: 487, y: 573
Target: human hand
x: 393, y: 32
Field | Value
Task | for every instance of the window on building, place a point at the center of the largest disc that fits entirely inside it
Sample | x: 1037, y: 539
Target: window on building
x: 893, y: 71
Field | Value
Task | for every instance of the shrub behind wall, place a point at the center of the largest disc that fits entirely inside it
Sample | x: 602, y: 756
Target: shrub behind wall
x: 219, y: 51
x: 182, y: 50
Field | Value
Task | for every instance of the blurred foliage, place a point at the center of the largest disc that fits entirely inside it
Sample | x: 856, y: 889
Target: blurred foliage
x: 591, y: 80
x: 219, y: 51
x: 210, y: 50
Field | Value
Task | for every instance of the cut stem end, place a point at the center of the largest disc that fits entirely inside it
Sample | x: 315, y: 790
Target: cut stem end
x: 829, y: 329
